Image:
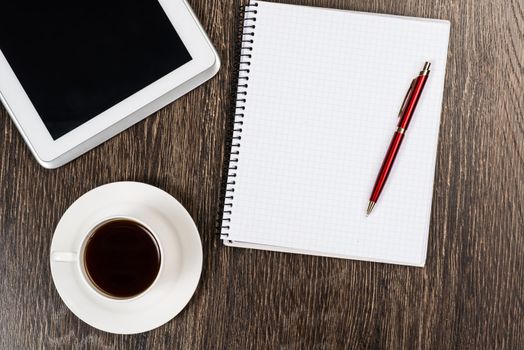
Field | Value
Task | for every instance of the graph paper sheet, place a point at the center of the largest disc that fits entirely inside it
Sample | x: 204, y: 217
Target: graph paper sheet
x: 321, y: 104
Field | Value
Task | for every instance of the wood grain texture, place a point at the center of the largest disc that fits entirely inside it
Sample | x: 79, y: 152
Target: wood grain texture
x: 469, y: 295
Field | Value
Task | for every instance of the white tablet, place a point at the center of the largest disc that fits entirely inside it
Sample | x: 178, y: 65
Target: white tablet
x: 73, y: 74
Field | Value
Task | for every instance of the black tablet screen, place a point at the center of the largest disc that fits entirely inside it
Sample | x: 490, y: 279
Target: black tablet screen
x: 76, y: 59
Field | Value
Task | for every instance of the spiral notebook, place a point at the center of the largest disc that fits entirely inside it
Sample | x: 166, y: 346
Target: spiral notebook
x: 318, y: 95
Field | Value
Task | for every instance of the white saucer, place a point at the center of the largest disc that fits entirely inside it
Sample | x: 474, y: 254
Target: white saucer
x: 182, y: 257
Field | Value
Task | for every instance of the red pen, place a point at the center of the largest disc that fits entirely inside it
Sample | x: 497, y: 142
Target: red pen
x: 405, y: 114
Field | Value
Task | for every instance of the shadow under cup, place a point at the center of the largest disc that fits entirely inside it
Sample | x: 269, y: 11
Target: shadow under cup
x: 121, y: 258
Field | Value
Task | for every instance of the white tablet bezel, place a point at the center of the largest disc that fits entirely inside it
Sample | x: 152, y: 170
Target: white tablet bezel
x: 38, y: 138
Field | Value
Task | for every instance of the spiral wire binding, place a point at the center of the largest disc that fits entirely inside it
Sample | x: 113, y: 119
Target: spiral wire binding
x: 242, y: 57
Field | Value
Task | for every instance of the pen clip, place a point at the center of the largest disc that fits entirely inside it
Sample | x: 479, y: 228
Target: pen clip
x: 406, y: 98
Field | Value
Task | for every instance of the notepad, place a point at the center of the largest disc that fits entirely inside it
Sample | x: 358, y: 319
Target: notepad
x: 319, y: 92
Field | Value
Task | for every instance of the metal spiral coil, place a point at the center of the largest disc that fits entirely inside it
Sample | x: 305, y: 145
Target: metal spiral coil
x: 241, y: 71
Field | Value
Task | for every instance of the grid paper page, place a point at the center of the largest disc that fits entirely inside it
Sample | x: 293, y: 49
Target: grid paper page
x: 325, y: 87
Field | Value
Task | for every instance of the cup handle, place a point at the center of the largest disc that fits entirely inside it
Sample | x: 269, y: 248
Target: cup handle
x: 63, y: 257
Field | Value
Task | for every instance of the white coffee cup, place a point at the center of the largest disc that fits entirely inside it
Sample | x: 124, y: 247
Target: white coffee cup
x: 78, y: 257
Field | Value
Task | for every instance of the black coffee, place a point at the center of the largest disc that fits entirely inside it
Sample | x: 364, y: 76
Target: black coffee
x: 122, y: 258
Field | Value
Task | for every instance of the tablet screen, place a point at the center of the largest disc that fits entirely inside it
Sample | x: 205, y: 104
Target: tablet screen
x: 76, y: 59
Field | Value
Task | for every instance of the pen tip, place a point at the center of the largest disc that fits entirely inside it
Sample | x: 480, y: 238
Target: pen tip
x: 371, y: 205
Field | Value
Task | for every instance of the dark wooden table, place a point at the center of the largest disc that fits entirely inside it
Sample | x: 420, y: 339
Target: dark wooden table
x: 470, y: 295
